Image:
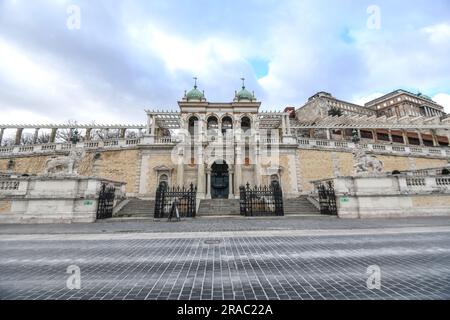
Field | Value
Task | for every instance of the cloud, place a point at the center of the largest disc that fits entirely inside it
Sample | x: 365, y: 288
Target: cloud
x: 444, y: 100
x: 438, y: 34
x: 143, y: 54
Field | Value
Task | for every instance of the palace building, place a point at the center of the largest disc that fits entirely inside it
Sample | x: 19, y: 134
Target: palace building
x: 220, y: 146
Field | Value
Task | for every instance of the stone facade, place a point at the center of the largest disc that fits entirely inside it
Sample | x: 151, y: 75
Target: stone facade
x: 294, y: 147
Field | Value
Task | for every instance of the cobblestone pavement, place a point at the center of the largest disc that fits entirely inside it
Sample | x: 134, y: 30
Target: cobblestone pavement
x: 287, y: 266
x: 222, y: 224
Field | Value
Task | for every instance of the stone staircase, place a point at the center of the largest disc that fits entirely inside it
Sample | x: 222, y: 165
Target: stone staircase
x: 218, y: 207
x: 299, y: 205
x: 137, y: 208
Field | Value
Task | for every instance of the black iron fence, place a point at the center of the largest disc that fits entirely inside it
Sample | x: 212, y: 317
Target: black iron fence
x: 262, y: 200
x: 185, y: 199
x: 106, y: 201
x: 327, y: 198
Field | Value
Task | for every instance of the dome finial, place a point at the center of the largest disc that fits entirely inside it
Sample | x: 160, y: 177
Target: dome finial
x: 243, y: 83
x: 195, y: 82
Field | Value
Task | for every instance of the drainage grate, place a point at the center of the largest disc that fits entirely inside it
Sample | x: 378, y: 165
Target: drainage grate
x: 210, y: 241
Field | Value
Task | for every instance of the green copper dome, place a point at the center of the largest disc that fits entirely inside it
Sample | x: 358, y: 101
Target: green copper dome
x: 244, y: 94
x: 194, y: 94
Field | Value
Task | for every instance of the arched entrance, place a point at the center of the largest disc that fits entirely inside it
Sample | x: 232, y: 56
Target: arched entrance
x: 219, y: 180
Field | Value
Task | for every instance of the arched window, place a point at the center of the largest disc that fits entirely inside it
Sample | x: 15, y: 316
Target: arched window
x: 227, y: 124
x: 245, y: 124
x: 212, y: 123
x: 164, y: 180
x: 192, y: 123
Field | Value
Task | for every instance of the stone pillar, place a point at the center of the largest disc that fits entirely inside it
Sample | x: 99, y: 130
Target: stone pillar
x: 208, y: 183
x: 153, y: 126
x: 374, y: 135
x: 87, y: 137
x: 419, y: 134
x: 435, y: 140
x: 122, y: 132
x: 2, y: 131
x: 180, y: 169
x: 18, y: 136
x: 257, y: 167
x: 328, y: 134
x: 201, y: 173
x: 53, y: 135
x: 288, y: 126
x: 230, y: 184
x: 390, y: 136
x: 283, y: 125
x: 405, y: 137
x: 238, y: 168
x: 36, y: 135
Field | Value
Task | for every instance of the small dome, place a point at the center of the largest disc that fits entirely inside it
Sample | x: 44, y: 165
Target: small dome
x: 195, y: 94
x: 244, y: 94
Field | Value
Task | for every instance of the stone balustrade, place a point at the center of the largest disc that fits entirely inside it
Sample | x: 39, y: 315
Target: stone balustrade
x: 376, y: 148
x: 436, y: 152
x: 390, y: 195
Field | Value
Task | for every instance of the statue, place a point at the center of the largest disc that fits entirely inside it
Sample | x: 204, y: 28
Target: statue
x: 365, y: 161
x: 65, y: 164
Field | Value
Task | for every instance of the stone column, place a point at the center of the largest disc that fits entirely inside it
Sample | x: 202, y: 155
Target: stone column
x: 238, y: 169
x: 374, y: 135
x: 283, y: 125
x: 88, y: 134
x: 122, y: 132
x: 180, y: 169
x: 328, y: 134
x: 208, y: 183
x: 257, y: 167
x: 288, y: 126
x: 36, y: 135
x: 435, y: 140
x: 153, y: 126
x: 420, y: 137
x: 201, y: 173
x: 230, y: 184
x: 18, y: 136
x: 2, y: 131
x: 405, y: 137
x: 390, y: 136
x: 53, y: 135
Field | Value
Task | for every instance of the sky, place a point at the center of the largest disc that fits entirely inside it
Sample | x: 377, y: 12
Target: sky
x: 105, y: 61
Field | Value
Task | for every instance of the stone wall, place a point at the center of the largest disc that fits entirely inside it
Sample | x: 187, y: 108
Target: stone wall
x: 321, y: 164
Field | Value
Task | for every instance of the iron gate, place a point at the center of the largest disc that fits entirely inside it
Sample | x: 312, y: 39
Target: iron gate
x: 186, y: 198
x: 261, y: 201
x: 327, y: 198
x: 106, y: 201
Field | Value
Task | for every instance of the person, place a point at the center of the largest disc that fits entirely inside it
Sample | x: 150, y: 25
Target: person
x: 174, y: 210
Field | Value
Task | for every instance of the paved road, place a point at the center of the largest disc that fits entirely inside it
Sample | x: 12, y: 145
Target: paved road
x: 272, y: 264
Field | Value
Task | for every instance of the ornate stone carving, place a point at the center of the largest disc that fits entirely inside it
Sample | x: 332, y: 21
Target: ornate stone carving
x: 365, y: 163
x: 65, y: 164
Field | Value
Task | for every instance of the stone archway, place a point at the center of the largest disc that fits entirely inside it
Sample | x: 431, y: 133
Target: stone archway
x: 219, y: 180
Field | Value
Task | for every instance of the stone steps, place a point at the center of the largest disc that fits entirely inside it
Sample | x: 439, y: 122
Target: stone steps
x: 299, y: 205
x: 137, y: 208
x: 219, y: 207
